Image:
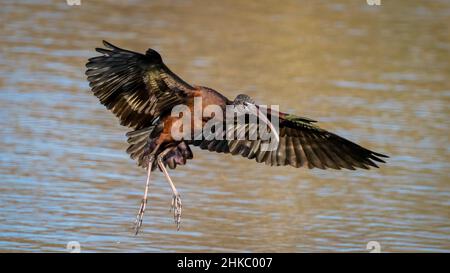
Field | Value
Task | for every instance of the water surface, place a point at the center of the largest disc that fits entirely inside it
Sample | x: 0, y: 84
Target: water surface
x: 377, y: 75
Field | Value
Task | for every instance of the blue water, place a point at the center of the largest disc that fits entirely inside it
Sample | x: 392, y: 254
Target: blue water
x: 377, y: 75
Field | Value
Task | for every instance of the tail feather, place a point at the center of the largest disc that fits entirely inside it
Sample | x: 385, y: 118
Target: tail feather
x: 138, y: 139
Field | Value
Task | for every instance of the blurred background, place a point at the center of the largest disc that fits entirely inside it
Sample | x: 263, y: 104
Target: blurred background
x: 378, y: 75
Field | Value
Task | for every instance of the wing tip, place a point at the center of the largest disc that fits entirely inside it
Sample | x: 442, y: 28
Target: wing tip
x: 103, y: 51
x: 109, y: 45
x: 380, y: 155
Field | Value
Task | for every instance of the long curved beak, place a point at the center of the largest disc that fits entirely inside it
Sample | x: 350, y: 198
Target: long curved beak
x: 254, y: 109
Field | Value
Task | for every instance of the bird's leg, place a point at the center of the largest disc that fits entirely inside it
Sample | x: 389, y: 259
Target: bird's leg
x: 140, y: 215
x: 176, y: 200
x: 149, y: 159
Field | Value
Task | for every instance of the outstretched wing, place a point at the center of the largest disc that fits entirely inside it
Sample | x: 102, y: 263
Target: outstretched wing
x: 301, y: 144
x: 137, y: 88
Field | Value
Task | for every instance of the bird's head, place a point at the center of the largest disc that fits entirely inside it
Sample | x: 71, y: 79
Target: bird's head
x: 250, y: 107
x: 243, y: 99
x: 246, y: 103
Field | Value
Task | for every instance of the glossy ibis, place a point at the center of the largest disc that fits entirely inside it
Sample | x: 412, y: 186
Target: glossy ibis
x: 141, y: 91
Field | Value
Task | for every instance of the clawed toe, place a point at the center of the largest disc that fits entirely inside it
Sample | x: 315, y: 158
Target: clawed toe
x: 139, y: 217
x: 176, y: 207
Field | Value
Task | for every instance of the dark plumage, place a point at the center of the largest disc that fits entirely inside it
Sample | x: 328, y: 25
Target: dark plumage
x: 141, y: 91
x: 137, y: 88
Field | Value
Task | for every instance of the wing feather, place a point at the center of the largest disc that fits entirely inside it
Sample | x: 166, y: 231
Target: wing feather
x: 302, y: 143
x: 137, y: 88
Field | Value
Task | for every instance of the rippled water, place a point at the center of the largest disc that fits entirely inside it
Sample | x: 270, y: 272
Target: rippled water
x: 377, y: 75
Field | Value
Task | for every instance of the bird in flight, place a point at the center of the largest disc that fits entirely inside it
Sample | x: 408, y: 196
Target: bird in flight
x: 142, y: 92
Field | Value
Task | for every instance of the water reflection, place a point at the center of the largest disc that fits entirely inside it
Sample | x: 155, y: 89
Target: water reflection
x: 377, y: 75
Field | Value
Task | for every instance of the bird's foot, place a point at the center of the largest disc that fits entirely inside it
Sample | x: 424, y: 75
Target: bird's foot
x: 140, y: 216
x: 176, y: 207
